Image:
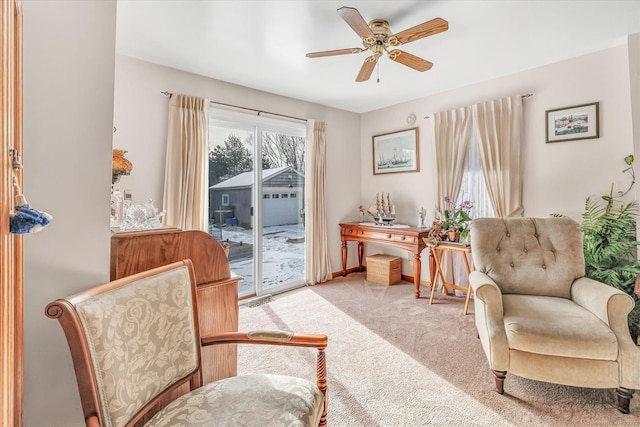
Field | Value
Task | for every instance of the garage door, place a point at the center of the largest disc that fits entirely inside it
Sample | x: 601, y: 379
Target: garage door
x: 279, y: 211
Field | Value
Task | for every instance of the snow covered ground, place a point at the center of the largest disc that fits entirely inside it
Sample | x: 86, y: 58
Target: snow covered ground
x: 283, y: 254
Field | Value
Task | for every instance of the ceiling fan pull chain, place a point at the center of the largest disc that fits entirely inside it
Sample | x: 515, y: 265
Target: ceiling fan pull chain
x: 378, y: 67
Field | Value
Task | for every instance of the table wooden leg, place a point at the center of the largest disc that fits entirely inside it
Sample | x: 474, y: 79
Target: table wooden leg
x: 432, y: 269
x: 417, y: 265
x: 469, y: 289
x: 466, y: 301
x: 438, y: 274
x: 344, y: 259
x: 360, y: 253
x: 440, y: 255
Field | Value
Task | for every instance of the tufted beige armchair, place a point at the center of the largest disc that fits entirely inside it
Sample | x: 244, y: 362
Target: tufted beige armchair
x: 538, y: 316
x: 135, y: 345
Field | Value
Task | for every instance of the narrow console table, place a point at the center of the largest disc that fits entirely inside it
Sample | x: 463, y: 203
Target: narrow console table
x: 407, y: 238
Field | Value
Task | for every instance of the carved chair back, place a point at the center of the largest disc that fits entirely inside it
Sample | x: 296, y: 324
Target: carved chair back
x: 133, y: 342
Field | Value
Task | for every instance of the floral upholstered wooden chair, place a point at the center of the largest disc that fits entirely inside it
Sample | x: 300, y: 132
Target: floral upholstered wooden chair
x: 135, y: 346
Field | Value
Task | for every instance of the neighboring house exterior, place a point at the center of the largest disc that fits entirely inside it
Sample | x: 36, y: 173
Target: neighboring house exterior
x: 230, y: 201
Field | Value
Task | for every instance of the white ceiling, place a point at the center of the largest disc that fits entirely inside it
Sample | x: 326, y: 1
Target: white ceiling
x: 262, y: 44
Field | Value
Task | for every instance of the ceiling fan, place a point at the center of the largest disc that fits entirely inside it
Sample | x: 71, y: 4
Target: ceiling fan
x: 378, y: 38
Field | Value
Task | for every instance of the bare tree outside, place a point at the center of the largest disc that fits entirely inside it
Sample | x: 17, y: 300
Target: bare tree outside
x: 283, y: 150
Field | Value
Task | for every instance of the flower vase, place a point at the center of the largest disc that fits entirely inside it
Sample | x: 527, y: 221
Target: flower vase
x: 465, y: 238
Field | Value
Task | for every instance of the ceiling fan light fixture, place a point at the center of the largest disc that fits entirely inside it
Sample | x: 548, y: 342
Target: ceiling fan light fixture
x: 379, y: 26
x: 393, y: 55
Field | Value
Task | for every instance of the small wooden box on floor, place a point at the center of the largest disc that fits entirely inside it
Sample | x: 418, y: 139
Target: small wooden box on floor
x: 384, y: 269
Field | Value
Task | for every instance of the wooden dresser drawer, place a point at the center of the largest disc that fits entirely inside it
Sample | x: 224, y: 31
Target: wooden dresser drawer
x: 381, y: 234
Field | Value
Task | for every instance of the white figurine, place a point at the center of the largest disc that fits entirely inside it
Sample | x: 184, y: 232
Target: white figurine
x: 117, y: 205
x: 422, y: 213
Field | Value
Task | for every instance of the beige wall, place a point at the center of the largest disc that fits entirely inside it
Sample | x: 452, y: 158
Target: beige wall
x: 68, y: 106
x: 557, y: 177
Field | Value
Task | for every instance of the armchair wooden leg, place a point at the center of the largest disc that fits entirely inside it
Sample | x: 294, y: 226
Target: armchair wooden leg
x: 322, y: 383
x: 624, y: 398
x: 499, y: 377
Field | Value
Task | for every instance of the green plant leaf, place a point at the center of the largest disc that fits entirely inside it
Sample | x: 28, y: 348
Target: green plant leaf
x: 610, y: 246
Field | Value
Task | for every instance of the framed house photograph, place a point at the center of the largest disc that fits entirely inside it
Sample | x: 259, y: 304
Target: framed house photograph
x: 572, y: 123
x: 396, y: 152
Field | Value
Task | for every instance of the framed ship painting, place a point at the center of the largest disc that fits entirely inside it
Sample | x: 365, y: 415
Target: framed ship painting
x: 396, y: 152
x: 572, y: 123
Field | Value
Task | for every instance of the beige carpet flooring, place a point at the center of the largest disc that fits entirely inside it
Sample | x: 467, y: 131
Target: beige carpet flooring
x: 396, y: 361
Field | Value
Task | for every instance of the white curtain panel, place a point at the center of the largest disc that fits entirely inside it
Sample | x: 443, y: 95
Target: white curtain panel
x: 498, y: 130
x: 318, y: 264
x: 452, y: 134
x: 185, y: 184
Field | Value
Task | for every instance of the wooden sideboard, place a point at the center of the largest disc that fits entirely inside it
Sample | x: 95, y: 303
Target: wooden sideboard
x: 217, y: 286
x: 407, y: 238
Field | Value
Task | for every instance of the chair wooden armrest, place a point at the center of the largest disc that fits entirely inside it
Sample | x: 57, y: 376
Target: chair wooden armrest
x: 267, y: 337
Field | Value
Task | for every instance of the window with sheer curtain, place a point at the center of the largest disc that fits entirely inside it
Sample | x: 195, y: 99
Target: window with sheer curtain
x: 474, y: 189
x: 474, y: 186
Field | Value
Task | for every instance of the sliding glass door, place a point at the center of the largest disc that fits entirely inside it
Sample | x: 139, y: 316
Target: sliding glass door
x: 256, y: 198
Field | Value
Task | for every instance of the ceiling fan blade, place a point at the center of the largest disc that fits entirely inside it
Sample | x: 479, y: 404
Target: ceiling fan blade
x: 425, y: 29
x: 356, y: 21
x: 367, y: 68
x: 334, y: 52
x: 410, y: 60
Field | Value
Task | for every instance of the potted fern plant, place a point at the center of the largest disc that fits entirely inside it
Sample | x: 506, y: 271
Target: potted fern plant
x: 611, y: 244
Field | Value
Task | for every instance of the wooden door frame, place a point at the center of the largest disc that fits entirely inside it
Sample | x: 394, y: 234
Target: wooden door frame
x: 11, y: 249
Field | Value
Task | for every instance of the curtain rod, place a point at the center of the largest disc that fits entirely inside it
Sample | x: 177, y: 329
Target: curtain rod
x: 169, y: 94
x: 523, y: 97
